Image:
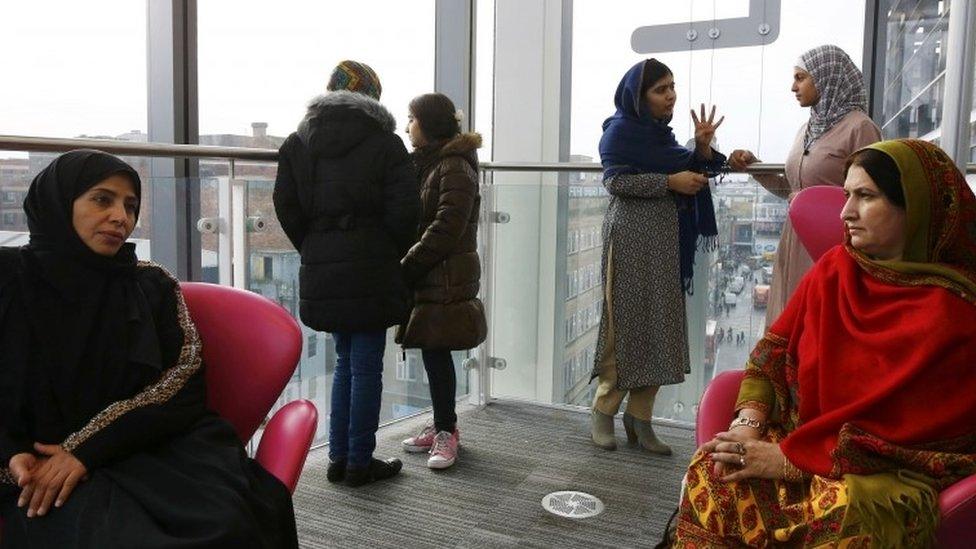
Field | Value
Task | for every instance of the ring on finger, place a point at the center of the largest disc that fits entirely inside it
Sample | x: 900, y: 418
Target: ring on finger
x: 740, y: 449
x: 742, y: 460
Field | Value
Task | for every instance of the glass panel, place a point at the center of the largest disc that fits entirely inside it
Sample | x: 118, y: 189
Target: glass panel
x: 915, y: 62
x: 259, y: 67
x: 50, y: 87
x: 273, y: 266
x: 15, y: 178
x: 751, y: 85
x: 726, y: 316
x: 527, y: 323
x: 920, y: 118
x: 587, y: 199
x: 17, y: 170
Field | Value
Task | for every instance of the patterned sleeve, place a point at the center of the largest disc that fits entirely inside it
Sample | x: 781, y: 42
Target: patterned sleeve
x: 757, y: 394
x: 162, y: 409
x: 639, y: 185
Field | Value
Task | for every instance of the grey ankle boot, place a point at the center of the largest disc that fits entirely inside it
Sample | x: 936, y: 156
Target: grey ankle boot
x: 640, y: 431
x: 601, y: 430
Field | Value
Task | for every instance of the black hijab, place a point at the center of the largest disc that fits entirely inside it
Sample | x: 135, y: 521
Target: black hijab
x: 51, y: 198
x: 87, y: 316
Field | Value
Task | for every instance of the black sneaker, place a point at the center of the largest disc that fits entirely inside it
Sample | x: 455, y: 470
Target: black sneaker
x: 336, y: 471
x: 377, y: 470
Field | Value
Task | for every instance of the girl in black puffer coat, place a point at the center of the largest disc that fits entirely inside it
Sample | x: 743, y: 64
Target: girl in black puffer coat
x: 443, y: 266
x: 346, y: 195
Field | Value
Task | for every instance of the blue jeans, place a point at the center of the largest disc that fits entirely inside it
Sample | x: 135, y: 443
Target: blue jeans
x: 356, y: 391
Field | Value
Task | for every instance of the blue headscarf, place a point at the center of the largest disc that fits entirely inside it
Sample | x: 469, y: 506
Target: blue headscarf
x: 635, y: 142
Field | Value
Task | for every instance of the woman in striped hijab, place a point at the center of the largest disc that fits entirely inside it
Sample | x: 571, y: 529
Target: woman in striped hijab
x: 826, y: 80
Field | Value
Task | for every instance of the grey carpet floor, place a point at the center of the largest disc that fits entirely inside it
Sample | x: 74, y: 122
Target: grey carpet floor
x: 512, y: 455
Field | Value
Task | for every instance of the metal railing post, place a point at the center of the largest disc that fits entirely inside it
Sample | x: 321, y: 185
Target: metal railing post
x: 225, y: 221
x: 238, y: 226
x: 488, y: 277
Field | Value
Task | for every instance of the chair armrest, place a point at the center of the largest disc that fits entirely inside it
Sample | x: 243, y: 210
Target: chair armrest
x: 957, y: 505
x: 717, y: 402
x: 286, y: 441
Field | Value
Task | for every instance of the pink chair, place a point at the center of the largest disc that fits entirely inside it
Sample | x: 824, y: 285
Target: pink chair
x: 820, y: 207
x: 815, y: 216
x: 250, y: 349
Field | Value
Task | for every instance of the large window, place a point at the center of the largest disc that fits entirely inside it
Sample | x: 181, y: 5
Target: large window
x: 73, y: 68
x: 485, y: 75
x: 258, y: 68
x: 69, y: 71
x: 750, y: 85
x: 259, y: 64
x: 915, y: 62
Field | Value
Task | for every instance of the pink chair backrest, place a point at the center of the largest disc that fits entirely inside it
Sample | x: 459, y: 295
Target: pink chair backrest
x: 815, y: 215
x: 251, y: 346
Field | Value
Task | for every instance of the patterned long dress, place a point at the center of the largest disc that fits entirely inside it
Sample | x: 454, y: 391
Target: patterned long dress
x: 650, y: 333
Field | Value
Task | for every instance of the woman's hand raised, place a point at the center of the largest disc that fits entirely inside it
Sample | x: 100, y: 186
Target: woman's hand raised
x: 51, y: 480
x: 705, y: 130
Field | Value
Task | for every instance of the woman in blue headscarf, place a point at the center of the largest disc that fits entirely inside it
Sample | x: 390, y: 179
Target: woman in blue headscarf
x: 660, y: 213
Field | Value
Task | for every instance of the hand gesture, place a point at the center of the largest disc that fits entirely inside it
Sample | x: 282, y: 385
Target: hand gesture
x: 52, y: 479
x: 741, y: 452
x: 705, y: 128
x: 687, y: 182
x: 740, y: 158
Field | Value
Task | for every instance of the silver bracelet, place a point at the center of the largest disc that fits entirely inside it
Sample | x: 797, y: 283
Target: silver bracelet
x: 756, y: 424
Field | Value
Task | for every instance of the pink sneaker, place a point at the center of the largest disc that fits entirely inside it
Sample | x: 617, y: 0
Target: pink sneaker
x: 422, y: 442
x: 443, y: 453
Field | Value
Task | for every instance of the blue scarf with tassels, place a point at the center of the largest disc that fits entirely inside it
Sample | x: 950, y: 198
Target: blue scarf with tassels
x: 634, y: 142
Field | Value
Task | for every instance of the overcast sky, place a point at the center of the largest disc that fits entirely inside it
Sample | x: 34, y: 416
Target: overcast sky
x: 72, y: 68
x: 731, y: 76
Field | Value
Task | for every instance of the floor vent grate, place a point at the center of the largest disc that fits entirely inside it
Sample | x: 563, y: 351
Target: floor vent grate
x: 572, y: 504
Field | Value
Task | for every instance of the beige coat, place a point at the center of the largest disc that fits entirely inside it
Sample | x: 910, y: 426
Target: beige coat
x: 823, y: 164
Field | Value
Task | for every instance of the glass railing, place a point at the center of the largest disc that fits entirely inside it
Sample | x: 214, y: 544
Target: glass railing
x: 546, y: 293
x: 18, y: 169
x: 272, y: 268
x: 541, y: 246
x: 268, y: 264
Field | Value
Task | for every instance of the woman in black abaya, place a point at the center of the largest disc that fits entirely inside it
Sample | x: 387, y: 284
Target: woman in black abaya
x: 105, y: 438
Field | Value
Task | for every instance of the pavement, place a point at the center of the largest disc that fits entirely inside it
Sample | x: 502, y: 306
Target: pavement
x: 742, y: 318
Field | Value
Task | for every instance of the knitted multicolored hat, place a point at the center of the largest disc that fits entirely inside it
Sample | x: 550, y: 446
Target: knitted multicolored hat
x: 355, y: 77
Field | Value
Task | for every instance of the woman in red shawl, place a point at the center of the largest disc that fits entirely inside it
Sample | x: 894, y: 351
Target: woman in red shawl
x: 857, y: 405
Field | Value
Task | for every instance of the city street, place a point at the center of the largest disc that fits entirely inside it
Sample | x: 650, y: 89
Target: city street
x: 742, y: 318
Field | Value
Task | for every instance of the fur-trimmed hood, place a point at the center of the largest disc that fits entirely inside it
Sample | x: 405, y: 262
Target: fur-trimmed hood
x: 337, y: 121
x: 464, y: 145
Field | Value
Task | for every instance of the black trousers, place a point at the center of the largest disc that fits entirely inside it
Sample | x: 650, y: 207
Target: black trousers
x: 443, y: 387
